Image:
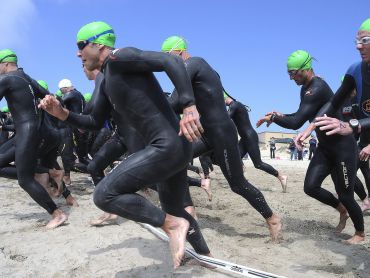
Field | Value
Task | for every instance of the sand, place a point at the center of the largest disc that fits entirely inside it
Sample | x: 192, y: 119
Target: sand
x: 234, y: 231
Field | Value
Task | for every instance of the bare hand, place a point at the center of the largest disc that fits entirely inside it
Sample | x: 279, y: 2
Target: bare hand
x: 265, y: 119
x: 190, y: 125
x: 333, y: 126
x: 365, y: 153
x: 51, y: 105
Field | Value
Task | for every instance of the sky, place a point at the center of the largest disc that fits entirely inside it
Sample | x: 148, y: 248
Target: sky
x: 246, y: 41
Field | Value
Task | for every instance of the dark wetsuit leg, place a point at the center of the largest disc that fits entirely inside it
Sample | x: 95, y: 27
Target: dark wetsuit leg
x: 107, y: 154
x: 174, y: 196
x: 66, y: 149
x: 27, y: 140
x: 193, y: 182
x: 250, y: 146
x: 365, y: 170
x: 223, y: 138
x: 194, y: 169
x: 103, y: 135
x: 359, y: 189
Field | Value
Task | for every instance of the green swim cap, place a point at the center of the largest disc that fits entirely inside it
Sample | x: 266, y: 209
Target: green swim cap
x: 87, y: 97
x: 299, y: 60
x: 225, y: 95
x: 6, y: 55
x: 59, y: 93
x: 365, y: 26
x: 97, y: 32
x: 341, y: 79
x: 174, y: 43
x: 43, y: 84
x: 5, y: 109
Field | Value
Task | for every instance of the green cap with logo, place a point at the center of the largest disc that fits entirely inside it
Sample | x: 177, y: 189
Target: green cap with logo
x: 97, y: 32
x: 299, y: 60
x: 365, y: 26
x: 7, y: 55
x: 174, y: 43
x: 43, y: 84
x: 87, y: 97
x: 5, y: 109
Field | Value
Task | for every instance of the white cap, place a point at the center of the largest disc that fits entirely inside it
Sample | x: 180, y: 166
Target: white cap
x: 64, y: 83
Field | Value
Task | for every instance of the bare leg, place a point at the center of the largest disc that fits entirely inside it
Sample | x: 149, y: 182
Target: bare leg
x: 67, y: 179
x: 357, y: 238
x: 71, y: 201
x: 191, y: 211
x: 206, y: 185
x: 275, y: 225
x: 58, y: 219
x: 342, y: 218
x: 43, y: 179
x: 284, y: 181
x: 176, y: 228
x: 57, y: 176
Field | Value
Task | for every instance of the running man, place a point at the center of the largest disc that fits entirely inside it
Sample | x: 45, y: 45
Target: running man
x: 132, y: 94
x: 335, y: 155
x: 219, y: 131
x: 20, y: 92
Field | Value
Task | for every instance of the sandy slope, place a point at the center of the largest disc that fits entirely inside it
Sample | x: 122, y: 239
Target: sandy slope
x: 234, y: 232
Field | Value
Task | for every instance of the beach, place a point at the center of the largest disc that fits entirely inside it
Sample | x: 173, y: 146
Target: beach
x: 234, y: 231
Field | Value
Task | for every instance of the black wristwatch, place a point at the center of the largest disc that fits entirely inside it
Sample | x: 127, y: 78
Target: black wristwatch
x: 354, y: 124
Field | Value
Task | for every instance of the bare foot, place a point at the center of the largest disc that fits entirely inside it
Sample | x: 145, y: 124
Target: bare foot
x: 275, y: 225
x: 284, y: 182
x: 71, y: 201
x: 176, y: 228
x: 343, y: 216
x: 365, y: 204
x: 106, y: 218
x: 206, y: 185
x: 357, y: 238
x: 67, y: 179
x: 58, y: 219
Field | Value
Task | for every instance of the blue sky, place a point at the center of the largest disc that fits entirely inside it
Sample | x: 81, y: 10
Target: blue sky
x: 246, y: 42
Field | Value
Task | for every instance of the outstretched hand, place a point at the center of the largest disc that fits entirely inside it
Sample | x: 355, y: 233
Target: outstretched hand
x: 266, y: 119
x: 190, y: 125
x: 299, y: 139
x: 51, y: 105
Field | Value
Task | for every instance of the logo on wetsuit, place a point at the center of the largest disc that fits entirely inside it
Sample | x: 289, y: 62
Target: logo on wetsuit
x: 345, y: 174
x: 236, y: 268
x: 366, y: 106
x: 308, y: 93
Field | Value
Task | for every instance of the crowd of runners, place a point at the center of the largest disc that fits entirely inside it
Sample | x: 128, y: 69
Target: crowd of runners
x: 149, y: 138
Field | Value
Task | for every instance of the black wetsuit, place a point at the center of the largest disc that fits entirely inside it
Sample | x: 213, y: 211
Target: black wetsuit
x: 75, y: 102
x: 133, y: 96
x: 20, y: 92
x: 335, y: 155
x: 220, y: 134
x: 248, y: 142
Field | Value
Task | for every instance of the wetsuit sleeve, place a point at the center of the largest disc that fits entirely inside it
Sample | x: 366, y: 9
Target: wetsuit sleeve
x: 173, y: 99
x: 95, y: 120
x: 365, y: 124
x: 73, y: 102
x: 39, y: 91
x: 231, y: 110
x: 307, y: 109
x: 3, y: 87
x: 132, y: 60
x: 343, y: 93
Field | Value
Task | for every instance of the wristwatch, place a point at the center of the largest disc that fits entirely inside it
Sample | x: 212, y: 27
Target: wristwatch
x: 354, y: 124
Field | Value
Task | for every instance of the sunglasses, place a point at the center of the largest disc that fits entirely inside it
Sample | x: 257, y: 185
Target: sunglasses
x: 82, y: 44
x: 7, y: 56
x: 364, y: 40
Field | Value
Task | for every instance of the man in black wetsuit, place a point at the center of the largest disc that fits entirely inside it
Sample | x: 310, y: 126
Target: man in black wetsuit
x: 335, y: 155
x: 313, y: 144
x: 220, y: 134
x: 74, y: 101
x: 20, y: 92
x: 131, y: 93
x: 248, y: 142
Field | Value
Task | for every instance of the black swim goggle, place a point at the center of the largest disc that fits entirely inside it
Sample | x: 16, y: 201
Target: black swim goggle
x: 82, y: 44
